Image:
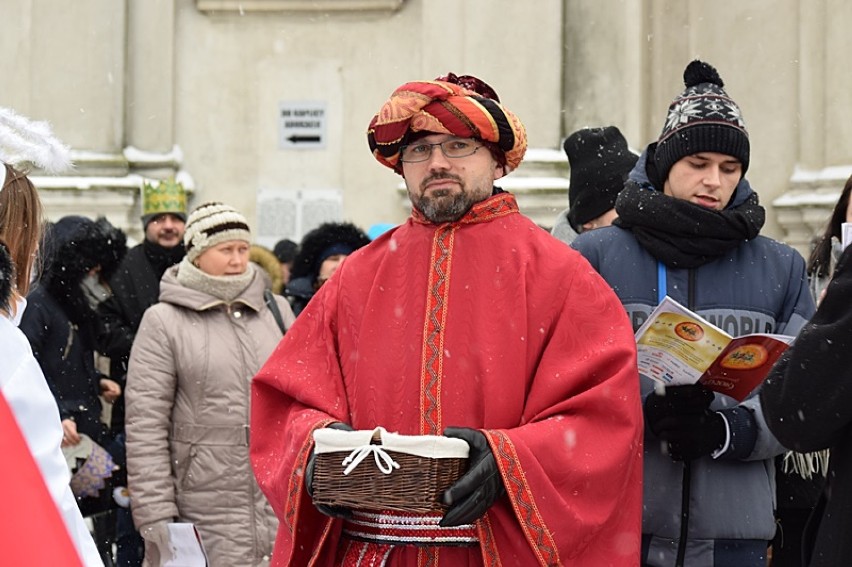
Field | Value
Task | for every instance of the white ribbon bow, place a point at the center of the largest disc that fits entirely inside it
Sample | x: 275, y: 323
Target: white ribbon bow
x: 384, y: 462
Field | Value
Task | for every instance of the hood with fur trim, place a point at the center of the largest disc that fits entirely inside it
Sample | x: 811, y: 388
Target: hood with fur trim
x: 264, y: 258
x: 328, y: 237
x: 74, y: 245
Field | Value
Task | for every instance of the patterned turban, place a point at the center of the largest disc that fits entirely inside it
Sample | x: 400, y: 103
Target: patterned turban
x: 443, y: 106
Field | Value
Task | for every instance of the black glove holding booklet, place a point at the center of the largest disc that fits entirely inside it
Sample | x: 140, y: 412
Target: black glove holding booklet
x: 682, y: 417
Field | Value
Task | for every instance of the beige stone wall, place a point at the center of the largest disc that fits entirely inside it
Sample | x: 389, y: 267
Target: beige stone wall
x: 781, y: 60
x: 753, y: 45
x: 64, y: 62
x: 142, y: 89
x: 232, y: 71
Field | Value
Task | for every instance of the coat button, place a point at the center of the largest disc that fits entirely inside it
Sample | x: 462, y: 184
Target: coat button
x: 237, y: 314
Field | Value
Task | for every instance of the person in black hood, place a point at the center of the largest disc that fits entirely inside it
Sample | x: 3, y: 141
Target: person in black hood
x: 320, y: 253
x: 807, y: 406
x: 60, y: 323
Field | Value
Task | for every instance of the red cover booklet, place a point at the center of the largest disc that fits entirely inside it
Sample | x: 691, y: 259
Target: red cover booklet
x: 677, y: 346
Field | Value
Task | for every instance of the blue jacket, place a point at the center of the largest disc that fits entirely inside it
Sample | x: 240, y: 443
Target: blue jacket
x: 760, y: 286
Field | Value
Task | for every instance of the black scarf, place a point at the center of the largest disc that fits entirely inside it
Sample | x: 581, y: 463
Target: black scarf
x: 682, y: 234
x: 162, y: 258
x: 65, y: 289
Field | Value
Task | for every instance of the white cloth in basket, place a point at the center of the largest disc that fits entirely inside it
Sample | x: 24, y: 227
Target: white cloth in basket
x: 360, y: 445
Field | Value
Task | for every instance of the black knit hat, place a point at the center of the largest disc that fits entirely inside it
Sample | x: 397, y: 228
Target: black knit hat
x: 600, y: 162
x: 701, y: 119
x: 285, y: 250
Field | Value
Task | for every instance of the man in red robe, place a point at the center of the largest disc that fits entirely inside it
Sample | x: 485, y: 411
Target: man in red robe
x: 468, y: 321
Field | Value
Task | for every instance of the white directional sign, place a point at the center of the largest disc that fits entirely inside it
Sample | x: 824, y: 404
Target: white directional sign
x: 302, y: 125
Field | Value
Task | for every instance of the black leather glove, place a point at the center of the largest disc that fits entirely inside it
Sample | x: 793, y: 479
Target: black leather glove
x: 333, y: 511
x: 682, y: 417
x: 477, y: 490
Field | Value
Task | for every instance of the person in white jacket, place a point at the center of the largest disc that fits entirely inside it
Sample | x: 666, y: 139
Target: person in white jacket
x: 21, y: 381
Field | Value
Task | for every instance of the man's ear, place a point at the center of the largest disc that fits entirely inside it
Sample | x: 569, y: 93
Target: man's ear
x: 499, y: 171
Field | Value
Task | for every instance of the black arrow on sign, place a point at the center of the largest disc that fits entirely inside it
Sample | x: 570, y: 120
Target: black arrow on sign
x: 295, y: 139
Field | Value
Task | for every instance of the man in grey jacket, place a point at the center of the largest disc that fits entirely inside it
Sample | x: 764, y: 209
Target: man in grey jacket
x: 600, y: 161
x: 688, y: 228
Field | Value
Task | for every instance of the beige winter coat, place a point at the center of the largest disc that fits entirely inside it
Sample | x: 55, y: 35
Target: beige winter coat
x: 188, y: 385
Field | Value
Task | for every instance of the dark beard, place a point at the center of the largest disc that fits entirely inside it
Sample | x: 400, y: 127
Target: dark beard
x: 441, y: 208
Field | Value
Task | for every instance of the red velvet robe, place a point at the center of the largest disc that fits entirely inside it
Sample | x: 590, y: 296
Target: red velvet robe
x: 488, y: 323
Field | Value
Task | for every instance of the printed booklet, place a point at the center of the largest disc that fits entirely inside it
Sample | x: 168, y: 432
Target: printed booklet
x: 677, y: 346
x: 186, y: 546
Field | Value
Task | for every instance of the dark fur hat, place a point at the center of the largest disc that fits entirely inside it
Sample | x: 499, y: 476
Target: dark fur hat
x: 336, y: 237
x: 74, y: 245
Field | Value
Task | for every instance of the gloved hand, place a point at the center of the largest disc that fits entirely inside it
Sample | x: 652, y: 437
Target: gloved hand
x: 477, y: 490
x: 333, y: 511
x: 682, y: 417
x: 157, y: 548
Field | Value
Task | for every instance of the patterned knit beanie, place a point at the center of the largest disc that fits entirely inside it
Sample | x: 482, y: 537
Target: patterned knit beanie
x: 210, y: 224
x: 462, y: 106
x: 701, y: 119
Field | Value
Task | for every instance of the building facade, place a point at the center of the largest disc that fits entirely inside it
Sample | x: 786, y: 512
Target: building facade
x: 264, y: 104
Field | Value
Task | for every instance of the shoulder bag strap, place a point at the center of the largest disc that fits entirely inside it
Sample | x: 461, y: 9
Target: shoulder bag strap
x: 273, y: 307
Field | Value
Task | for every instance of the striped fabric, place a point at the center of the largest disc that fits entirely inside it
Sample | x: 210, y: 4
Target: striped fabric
x: 397, y: 528
x: 444, y: 108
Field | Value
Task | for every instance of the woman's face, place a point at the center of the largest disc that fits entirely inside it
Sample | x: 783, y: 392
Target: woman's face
x: 849, y: 211
x: 229, y: 258
x: 328, y: 267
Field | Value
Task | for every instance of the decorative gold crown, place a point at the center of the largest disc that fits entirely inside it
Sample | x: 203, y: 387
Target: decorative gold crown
x: 167, y: 196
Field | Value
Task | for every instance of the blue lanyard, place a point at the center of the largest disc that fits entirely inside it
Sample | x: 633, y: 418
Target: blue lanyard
x: 662, y: 285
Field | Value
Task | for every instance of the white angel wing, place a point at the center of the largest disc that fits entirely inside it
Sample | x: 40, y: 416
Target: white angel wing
x: 25, y: 140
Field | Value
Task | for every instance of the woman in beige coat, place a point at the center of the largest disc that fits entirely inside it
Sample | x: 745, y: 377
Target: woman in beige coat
x: 188, y: 385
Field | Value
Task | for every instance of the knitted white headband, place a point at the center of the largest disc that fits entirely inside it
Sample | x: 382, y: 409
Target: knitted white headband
x: 211, y: 224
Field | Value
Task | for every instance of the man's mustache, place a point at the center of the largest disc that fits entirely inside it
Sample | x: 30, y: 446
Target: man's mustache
x: 437, y: 176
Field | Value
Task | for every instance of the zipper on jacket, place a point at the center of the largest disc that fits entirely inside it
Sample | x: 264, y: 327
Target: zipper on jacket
x: 72, y: 328
x: 233, y: 324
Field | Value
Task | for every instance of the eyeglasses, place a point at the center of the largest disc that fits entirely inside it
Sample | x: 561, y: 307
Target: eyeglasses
x: 453, y: 148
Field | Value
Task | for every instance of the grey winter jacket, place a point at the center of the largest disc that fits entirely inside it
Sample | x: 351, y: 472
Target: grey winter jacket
x: 562, y: 228
x: 187, y: 424
x: 760, y: 286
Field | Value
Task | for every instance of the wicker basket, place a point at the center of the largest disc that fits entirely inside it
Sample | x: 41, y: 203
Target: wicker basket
x: 376, y: 470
